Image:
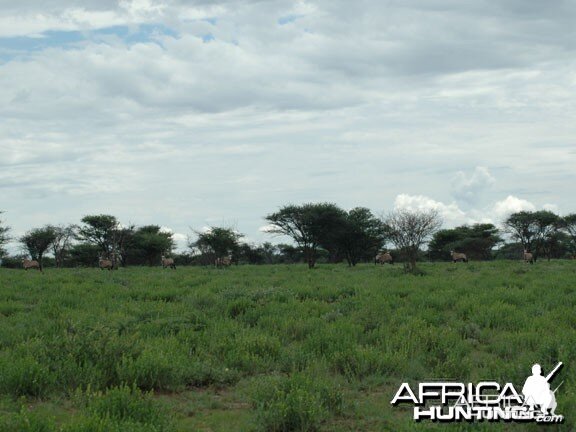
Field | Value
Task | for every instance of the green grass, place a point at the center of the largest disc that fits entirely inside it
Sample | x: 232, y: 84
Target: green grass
x: 272, y: 348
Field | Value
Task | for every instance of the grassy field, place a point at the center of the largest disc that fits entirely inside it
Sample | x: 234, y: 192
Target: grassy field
x: 273, y: 348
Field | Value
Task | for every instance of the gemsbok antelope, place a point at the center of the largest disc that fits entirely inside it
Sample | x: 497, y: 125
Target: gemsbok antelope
x: 457, y: 256
x: 528, y: 257
x: 30, y: 264
x: 105, y: 264
x: 168, y: 262
x: 223, y: 261
x: 383, y: 258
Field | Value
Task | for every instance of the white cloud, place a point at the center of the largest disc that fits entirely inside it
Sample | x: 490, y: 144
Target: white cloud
x: 352, y: 103
x: 509, y: 205
x: 450, y: 213
x: 468, y: 188
x: 453, y: 215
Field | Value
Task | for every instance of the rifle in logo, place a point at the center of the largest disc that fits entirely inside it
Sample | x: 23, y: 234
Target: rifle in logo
x: 537, y: 390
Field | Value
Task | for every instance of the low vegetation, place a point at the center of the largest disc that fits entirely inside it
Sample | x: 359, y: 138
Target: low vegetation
x: 272, y: 348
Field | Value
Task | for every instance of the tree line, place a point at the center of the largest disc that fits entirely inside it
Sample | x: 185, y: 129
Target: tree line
x: 321, y: 232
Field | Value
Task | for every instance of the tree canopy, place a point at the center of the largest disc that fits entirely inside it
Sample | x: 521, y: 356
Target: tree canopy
x: 148, y: 243
x: 38, y: 240
x: 569, y: 226
x: 535, y: 230
x: 310, y: 226
x: 476, y: 241
x: 4, y: 238
x: 217, y: 242
x: 409, y: 230
x: 361, y: 236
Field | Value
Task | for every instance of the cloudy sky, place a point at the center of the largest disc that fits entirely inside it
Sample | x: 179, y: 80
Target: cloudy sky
x: 197, y: 113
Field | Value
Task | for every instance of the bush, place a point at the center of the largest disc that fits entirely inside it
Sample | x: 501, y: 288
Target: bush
x: 296, y: 403
x: 27, y: 421
x: 119, y: 409
x: 24, y: 376
x: 152, y: 370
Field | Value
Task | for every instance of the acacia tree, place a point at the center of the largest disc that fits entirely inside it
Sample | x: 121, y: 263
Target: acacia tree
x: 63, y: 236
x: 149, y: 242
x: 521, y: 227
x: 107, y: 234
x: 38, y: 241
x: 409, y: 230
x: 548, y: 225
x: 535, y: 230
x: 217, y: 242
x: 122, y: 237
x: 363, y: 234
x: 310, y: 226
x: 99, y: 231
x: 477, y: 241
x: 568, y: 225
x: 4, y: 238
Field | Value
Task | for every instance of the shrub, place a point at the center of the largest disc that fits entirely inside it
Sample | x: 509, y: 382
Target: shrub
x: 119, y: 409
x: 27, y: 421
x: 296, y: 403
x: 24, y: 376
x: 153, y: 369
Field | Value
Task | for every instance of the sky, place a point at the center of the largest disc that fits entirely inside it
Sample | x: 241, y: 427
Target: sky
x: 190, y: 114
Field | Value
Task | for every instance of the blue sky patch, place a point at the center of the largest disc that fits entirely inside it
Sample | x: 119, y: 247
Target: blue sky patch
x: 288, y: 19
x: 18, y: 45
x: 48, y: 39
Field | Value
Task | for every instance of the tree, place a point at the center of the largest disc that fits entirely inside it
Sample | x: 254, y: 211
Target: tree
x: 409, y: 230
x: 84, y: 254
x: 99, y: 230
x: 105, y: 232
x: 269, y: 252
x: 289, y: 254
x: 548, y: 225
x: 568, y: 225
x: 149, y: 243
x: 310, y: 226
x: 521, y: 227
x: 361, y: 236
x: 217, y: 242
x: 37, y: 242
x: 509, y: 251
x: 477, y: 241
x: 535, y: 230
x: 63, y: 236
x: 252, y: 254
x: 4, y: 238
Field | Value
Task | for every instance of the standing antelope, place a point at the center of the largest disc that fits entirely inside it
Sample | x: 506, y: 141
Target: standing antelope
x: 528, y: 257
x: 457, y: 256
x: 105, y: 263
x: 383, y: 258
x: 223, y: 262
x: 30, y: 264
x: 168, y: 262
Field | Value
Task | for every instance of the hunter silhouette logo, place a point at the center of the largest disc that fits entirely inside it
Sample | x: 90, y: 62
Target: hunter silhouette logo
x: 537, y: 391
x: 486, y: 400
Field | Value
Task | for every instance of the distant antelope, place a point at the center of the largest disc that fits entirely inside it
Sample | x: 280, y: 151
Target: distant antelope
x: 223, y: 262
x: 383, y: 258
x: 457, y: 256
x: 168, y: 262
x: 30, y: 264
x: 528, y: 257
x: 105, y: 264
